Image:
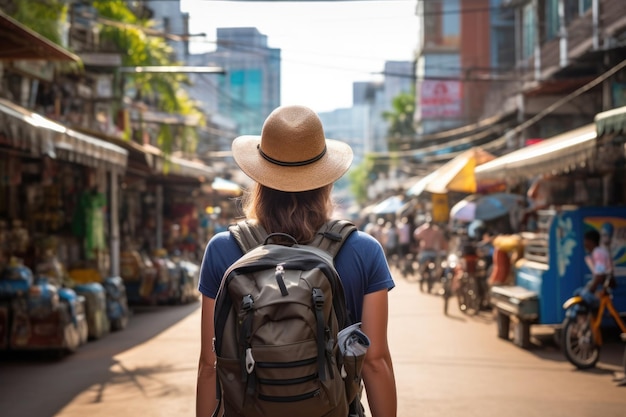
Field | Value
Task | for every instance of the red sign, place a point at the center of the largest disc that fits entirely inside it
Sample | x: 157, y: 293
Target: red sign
x: 441, y: 99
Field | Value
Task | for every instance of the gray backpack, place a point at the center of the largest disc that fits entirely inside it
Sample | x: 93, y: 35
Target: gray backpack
x: 277, y: 314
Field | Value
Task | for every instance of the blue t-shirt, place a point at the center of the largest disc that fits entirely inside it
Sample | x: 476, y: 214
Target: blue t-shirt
x: 361, y: 264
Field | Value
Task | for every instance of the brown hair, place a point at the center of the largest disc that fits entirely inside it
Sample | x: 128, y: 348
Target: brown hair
x: 299, y: 214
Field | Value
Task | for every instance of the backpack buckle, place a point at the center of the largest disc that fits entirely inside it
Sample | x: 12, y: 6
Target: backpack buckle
x: 318, y: 298
x: 247, y: 302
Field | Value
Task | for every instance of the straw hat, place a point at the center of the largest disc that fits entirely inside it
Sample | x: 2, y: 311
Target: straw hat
x: 292, y: 154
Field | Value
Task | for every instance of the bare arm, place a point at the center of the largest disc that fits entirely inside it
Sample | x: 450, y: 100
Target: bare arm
x: 206, y: 390
x: 378, y: 373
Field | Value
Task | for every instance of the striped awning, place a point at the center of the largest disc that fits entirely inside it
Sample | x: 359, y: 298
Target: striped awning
x: 611, y: 121
x: 554, y: 155
x: 38, y: 135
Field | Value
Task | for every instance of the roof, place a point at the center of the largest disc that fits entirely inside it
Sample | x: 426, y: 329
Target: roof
x: 21, y: 43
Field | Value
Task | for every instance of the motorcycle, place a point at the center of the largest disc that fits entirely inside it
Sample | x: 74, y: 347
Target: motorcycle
x: 581, y: 331
x: 430, y: 271
x: 451, y: 269
x: 107, y: 304
x: 36, y: 315
x: 139, y: 275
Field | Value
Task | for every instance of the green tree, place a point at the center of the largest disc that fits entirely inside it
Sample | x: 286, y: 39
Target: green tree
x: 44, y: 18
x: 164, y: 89
x: 400, y: 119
x: 127, y: 32
x: 364, y: 174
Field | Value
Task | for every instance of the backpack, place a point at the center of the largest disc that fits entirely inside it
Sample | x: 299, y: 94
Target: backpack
x: 277, y: 315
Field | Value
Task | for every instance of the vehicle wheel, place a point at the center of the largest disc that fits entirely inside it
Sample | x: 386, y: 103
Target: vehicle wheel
x: 446, y: 298
x: 429, y: 281
x: 423, y: 280
x: 578, y: 344
x: 503, y: 321
x: 71, y: 338
x: 83, y: 331
x: 119, y: 323
x: 461, y: 294
x: 472, y: 299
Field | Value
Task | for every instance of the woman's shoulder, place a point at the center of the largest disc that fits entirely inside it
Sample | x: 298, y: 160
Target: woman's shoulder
x: 223, y: 242
x: 221, y: 238
x: 359, y: 240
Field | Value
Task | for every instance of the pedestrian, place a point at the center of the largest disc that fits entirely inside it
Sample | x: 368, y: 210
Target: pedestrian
x: 390, y: 239
x: 598, y: 259
x: 294, y: 167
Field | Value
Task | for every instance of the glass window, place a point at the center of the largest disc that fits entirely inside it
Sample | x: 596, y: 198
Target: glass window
x: 529, y: 29
x: 502, y: 36
x: 552, y: 19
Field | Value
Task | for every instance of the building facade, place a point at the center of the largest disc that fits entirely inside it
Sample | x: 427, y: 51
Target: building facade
x: 376, y: 97
x: 250, y: 88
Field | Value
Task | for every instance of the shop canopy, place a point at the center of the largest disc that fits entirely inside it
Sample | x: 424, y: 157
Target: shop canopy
x: 226, y: 187
x: 611, y: 121
x: 188, y: 168
x: 455, y: 175
x: 21, y: 43
x: 557, y: 154
x: 40, y: 136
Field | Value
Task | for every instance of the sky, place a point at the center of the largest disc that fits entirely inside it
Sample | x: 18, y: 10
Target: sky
x: 325, y: 45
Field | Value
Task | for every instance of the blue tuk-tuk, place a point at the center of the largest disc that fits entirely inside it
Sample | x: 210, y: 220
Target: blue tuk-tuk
x: 554, y: 266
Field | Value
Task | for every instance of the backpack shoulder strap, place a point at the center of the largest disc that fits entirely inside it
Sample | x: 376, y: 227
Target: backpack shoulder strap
x: 332, y: 235
x: 248, y: 234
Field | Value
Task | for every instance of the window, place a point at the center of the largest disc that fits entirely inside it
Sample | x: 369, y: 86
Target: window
x: 575, y: 9
x: 552, y: 19
x: 529, y: 30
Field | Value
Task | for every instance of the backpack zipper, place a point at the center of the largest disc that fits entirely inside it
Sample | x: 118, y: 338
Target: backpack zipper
x: 290, y: 399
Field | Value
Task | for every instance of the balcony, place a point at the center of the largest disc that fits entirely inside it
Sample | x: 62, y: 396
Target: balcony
x: 580, y: 58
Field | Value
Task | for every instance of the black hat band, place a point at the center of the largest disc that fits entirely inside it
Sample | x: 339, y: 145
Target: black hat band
x: 291, y: 164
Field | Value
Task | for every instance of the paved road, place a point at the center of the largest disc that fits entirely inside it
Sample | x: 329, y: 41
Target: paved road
x: 446, y: 367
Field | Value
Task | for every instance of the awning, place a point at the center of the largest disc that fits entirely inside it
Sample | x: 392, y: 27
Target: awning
x: 611, y: 121
x: 455, y: 175
x: 420, y: 186
x: 21, y: 43
x: 39, y: 136
x: 554, y: 155
x: 188, y: 168
x: 143, y: 159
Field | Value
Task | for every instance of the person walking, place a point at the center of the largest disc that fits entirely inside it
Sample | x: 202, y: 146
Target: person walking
x: 294, y: 166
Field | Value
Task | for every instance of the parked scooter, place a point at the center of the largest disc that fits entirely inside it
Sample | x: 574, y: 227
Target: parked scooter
x: 107, y: 305
x: 431, y: 270
x: 581, y: 331
x: 36, y: 315
x: 177, y: 278
x: 139, y: 274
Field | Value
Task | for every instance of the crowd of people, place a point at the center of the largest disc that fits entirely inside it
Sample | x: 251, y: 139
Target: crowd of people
x: 418, y: 240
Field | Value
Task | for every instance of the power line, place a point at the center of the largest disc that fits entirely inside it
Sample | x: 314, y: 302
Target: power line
x: 593, y: 83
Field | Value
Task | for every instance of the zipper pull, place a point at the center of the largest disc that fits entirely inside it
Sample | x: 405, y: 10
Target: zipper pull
x: 249, y: 361
x: 280, y: 275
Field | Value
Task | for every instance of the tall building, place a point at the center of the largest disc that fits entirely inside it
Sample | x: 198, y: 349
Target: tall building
x: 250, y: 88
x: 463, y: 45
x: 169, y: 19
x: 349, y: 125
x: 377, y: 98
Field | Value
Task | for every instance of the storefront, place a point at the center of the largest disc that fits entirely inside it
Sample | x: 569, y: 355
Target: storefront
x: 57, y: 188
x: 456, y: 177
x: 565, y: 169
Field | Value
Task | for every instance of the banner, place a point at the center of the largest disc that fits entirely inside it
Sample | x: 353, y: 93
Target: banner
x: 441, y: 99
